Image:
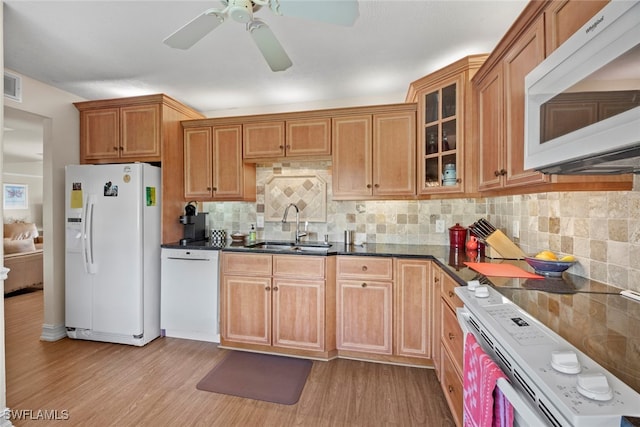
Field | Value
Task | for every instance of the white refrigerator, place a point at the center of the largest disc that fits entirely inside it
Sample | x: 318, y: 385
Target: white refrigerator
x: 112, y: 252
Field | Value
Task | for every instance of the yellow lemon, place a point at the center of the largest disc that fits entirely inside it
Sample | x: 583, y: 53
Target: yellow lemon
x: 568, y: 258
x: 546, y: 255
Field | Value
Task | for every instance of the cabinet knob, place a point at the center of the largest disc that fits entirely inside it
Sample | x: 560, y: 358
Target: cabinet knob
x: 209, y: 189
x: 503, y: 172
x: 376, y: 185
x: 450, y: 388
x: 368, y: 185
x: 436, y: 279
x: 267, y: 288
x: 288, y: 147
x: 120, y: 148
x: 115, y: 148
x: 496, y: 173
x: 215, y: 188
x: 364, y: 268
x: 364, y: 285
x: 451, y: 336
x: 275, y: 289
x: 451, y: 294
x: 281, y: 147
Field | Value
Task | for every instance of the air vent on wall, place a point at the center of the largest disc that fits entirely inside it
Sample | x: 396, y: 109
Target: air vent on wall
x: 12, y: 86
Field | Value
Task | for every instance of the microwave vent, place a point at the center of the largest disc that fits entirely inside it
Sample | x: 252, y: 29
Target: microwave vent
x: 13, y: 86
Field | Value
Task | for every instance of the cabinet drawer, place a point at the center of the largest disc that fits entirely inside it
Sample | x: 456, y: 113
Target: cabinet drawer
x: 452, y: 387
x: 452, y: 337
x: 365, y: 267
x: 251, y: 264
x: 448, y: 294
x: 308, y: 267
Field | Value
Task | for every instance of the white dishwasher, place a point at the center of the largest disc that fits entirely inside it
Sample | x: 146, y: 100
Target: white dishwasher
x: 189, y: 294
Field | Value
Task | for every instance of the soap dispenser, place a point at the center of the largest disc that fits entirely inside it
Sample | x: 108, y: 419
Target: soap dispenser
x: 252, y: 234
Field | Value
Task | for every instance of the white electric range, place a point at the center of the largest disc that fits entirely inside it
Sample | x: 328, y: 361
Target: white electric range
x: 555, y: 383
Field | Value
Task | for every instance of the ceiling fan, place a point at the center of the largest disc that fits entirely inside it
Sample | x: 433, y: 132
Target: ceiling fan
x: 341, y: 12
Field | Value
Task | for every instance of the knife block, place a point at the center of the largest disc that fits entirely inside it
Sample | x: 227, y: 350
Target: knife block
x: 500, y: 246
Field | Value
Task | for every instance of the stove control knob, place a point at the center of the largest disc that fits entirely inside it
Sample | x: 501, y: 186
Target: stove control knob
x: 594, y: 386
x: 472, y: 285
x: 482, y: 292
x: 565, y: 362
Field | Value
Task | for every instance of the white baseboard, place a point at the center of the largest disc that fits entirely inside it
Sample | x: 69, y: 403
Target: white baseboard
x: 53, y: 332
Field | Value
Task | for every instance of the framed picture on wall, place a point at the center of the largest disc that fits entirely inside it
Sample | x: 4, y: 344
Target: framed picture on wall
x: 15, y: 196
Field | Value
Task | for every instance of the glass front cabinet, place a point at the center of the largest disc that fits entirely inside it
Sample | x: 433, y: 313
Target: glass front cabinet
x: 444, y: 101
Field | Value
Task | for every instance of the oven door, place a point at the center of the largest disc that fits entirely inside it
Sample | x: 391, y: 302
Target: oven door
x: 523, y: 413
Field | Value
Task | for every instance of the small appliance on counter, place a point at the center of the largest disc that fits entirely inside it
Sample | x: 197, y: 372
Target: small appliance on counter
x: 195, y: 224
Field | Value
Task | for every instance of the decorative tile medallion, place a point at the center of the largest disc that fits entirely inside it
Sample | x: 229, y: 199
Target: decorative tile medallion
x: 308, y: 192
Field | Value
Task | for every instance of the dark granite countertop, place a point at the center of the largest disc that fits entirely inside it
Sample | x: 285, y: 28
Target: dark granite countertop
x: 590, y: 315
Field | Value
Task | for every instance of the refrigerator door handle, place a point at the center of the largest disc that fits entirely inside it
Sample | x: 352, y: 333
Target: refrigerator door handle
x: 90, y: 265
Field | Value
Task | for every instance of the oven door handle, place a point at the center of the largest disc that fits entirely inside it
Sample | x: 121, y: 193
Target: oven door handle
x: 523, y: 412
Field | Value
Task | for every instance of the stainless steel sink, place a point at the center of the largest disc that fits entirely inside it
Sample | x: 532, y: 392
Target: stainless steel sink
x: 291, y: 246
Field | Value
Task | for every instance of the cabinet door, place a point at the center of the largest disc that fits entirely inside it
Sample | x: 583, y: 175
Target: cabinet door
x: 436, y: 284
x: 246, y: 309
x: 227, y: 162
x: 364, y: 316
x: 140, y: 132
x: 564, y: 17
x: 519, y: 61
x: 394, y: 154
x: 263, y: 140
x: 298, y: 313
x: 308, y: 137
x: 198, y: 175
x: 413, y: 307
x: 100, y: 134
x: 490, y: 131
x: 352, y: 163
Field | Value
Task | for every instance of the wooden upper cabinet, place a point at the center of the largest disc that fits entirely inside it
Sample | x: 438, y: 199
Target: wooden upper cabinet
x: 140, y: 130
x: 352, y: 156
x: 290, y: 138
x: 519, y: 61
x: 374, y: 155
x: 394, y: 154
x: 198, y: 167
x: 564, y: 17
x: 100, y: 134
x: 265, y: 139
x: 213, y: 167
x: 121, y: 134
x: 501, y: 101
x: 127, y: 133
x: 444, y: 146
x: 308, y: 137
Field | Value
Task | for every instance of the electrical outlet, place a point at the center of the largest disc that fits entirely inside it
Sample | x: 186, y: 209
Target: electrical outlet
x: 439, y: 226
x: 516, y: 229
x: 260, y: 221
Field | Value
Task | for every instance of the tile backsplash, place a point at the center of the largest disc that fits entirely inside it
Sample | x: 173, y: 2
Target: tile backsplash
x: 602, y: 229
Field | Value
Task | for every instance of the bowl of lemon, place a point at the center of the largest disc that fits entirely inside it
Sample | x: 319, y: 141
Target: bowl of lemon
x: 547, y: 263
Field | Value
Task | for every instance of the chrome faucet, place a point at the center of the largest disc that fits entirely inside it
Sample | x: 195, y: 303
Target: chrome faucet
x: 298, y: 233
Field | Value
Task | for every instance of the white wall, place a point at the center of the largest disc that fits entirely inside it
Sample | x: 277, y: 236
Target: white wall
x: 61, y: 145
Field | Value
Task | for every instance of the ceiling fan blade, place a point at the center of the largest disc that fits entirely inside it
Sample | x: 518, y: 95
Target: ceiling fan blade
x: 269, y: 45
x: 190, y: 33
x: 340, y: 12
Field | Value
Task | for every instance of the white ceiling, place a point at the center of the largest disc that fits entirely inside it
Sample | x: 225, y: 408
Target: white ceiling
x: 111, y: 49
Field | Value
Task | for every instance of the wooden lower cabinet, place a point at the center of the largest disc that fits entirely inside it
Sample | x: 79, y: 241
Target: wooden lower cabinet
x: 451, y: 348
x: 413, y: 306
x: 277, y: 303
x: 364, y: 316
x: 451, y: 382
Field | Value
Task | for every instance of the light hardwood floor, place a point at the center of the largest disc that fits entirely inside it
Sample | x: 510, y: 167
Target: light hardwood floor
x: 102, y: 384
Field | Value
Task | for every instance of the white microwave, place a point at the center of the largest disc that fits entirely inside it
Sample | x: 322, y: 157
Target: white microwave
x: 582, y: 111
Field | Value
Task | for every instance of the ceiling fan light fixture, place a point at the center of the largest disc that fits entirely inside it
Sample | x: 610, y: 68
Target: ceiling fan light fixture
x: 241, y: 10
